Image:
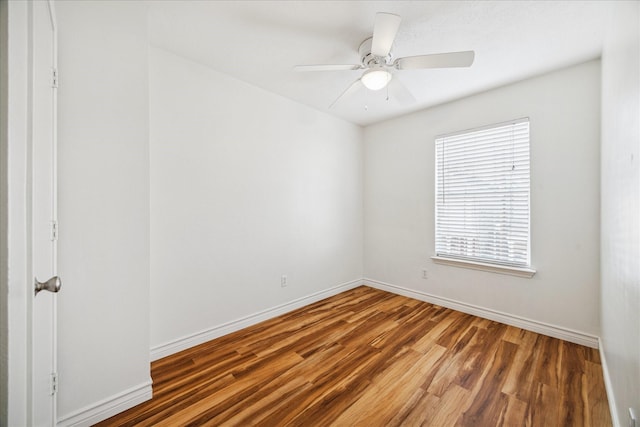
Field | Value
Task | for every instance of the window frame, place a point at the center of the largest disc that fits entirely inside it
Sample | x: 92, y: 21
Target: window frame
x: 520, y: 270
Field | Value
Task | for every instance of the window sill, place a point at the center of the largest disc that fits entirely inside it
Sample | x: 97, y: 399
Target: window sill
x: 493, y: 268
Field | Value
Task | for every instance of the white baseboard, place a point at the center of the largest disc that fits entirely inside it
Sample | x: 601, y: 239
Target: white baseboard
x: 189, y: 341
x: 92, y: 414
x: 609, y: 387
x: 498, y: 316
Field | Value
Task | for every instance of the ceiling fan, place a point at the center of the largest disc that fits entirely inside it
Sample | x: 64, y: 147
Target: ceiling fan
x: 377, y: 61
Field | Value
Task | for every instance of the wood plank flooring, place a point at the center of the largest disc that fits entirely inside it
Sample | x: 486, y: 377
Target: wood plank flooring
x: 370, y: 358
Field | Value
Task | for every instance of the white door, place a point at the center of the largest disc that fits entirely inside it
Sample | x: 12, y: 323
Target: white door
x: 43, y: 215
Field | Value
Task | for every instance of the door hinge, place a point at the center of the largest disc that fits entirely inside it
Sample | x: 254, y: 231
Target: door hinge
x: 54, y: 383
x: 54, y: 231
x: 54, y: 78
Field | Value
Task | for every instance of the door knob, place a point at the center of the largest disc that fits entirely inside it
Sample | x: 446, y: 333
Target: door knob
x: 52, y: 285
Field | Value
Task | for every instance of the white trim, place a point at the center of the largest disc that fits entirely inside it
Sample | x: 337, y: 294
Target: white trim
x: 54, y: 198
x: 608, y: 386
x: 476, y: 129
x: 18, y: 262
x: 498, y: 316
x: 108, y: 407
x: 493, y: 268
x: 191, y: 340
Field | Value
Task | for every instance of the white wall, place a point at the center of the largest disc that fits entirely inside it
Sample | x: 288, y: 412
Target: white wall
x: 620, y: 252
x: 245, y: 186
x: 564, y: 112
x: 103, y: 203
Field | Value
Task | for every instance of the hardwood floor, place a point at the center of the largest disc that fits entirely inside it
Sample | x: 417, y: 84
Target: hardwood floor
x: 370, y: 358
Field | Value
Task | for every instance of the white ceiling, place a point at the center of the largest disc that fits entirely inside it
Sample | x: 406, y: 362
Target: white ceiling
x: 259, y: 42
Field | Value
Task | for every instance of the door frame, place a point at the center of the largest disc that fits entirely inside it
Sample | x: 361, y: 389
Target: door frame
x: 16, y: 191
x: 4, y: 217
x: 17, y: 207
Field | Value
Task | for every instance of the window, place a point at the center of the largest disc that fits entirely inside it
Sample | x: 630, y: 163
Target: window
x: 482, y: 195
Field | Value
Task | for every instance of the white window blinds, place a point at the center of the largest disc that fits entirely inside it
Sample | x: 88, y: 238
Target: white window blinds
x: 482, y: 194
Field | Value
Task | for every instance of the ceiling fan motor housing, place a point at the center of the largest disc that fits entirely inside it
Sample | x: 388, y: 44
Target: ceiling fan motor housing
x: 370, y: 60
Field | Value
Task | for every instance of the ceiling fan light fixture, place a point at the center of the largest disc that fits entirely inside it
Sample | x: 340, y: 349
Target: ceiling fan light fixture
x: 376, y: 78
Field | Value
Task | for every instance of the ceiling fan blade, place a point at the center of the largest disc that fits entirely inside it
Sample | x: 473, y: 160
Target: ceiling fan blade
x: 327, y: 67
x: 400, y: 92
x: 353, y: 87
x: 436, y: 60
x: 385, y: 28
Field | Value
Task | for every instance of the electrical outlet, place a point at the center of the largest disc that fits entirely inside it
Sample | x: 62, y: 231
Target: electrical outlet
x: 425, y: 273
x: 283, y: 281
x: 633, y: 418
